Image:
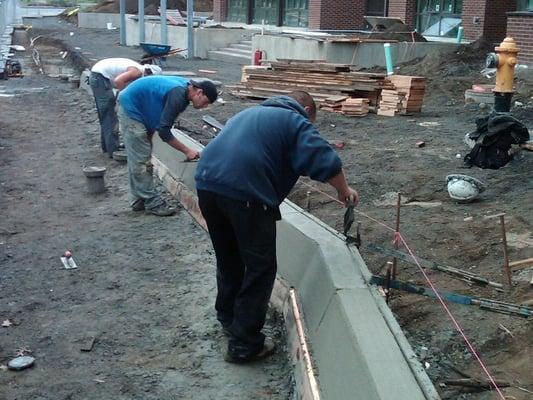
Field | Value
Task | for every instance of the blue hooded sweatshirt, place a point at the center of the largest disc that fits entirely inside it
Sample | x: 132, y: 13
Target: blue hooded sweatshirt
x: 262, y: 151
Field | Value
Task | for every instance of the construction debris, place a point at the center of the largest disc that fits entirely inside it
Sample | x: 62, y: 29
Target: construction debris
x: 466, y: 276
x: 484, y: 304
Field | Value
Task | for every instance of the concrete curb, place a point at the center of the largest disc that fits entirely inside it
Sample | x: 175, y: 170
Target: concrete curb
x: 358, y: 347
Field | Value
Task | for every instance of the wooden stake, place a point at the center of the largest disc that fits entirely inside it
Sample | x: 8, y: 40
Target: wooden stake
x: 507, y: 268
x: 396, y: 240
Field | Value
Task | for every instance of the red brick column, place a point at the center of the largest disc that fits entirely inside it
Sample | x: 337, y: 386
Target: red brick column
x: 336, y: 14
x: 520, y: 28
x: 486, y: 19
x: 403, y: 9
x: 220, y: 10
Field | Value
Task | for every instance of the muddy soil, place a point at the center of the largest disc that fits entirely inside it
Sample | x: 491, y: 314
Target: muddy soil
x: 140, y: 302
x: 380, y: 159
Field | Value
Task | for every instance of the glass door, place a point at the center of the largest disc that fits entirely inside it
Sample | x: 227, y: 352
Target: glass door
x: 295, y: 12
x: 238, y: 11
x: 265, y: 10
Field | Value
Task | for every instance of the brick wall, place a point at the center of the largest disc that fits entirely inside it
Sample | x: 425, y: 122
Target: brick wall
x: 403, y: 9
x: 336, y: 14
x: 486, y: 18
x: 220, y: 10
x: 520, y: 28
x: 496, y: 19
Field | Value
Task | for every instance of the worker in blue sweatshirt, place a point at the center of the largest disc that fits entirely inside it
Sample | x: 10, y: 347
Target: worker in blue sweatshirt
x: 152, y: 104
x: 242, y: 177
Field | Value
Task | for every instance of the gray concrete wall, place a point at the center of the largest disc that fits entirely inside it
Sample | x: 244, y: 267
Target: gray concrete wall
x: 365, y: 55
x: 98, y: 20
x: 205, y: 38
x: 358, y: 348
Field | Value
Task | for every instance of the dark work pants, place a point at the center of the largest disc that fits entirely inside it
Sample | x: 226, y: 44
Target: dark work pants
x: 105, y: 106
x: 244, y: 238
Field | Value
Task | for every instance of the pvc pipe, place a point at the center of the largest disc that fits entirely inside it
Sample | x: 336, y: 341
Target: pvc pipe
x: 190, y: 29
x: 141, y: 21
x: 388, y: 59
x: 460, y: 35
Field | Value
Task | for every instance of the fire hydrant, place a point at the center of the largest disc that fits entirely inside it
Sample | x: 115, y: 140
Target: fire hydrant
x: 504, y: 60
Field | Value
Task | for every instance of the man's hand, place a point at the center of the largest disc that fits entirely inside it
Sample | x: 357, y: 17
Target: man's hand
x: 344, y: 192
x: 192, y: 154
x: 348, y: 196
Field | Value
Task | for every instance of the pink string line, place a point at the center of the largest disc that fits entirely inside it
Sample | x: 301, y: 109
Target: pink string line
x: 397, y: 238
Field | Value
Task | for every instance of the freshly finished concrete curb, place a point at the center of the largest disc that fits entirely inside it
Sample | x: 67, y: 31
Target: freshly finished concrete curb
x: 358, y: 348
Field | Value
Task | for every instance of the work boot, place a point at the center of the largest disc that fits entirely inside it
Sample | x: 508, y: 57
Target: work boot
x: 162, y: 210
x: 138, y: 205
x: 267, y: 350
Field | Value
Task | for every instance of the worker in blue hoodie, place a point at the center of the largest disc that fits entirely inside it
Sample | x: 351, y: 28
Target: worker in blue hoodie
x: 148, y: 105
x: 242, y: 177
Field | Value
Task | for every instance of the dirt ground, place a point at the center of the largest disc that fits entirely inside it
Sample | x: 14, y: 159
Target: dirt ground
x: 162, y: 274
x: 144, y: 287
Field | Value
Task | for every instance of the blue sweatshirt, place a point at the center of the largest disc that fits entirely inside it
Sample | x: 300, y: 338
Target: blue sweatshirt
x: 155, y: 101
x: 262, y: 151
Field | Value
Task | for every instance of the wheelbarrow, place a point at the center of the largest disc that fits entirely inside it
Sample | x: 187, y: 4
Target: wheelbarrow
x: 157, y: 53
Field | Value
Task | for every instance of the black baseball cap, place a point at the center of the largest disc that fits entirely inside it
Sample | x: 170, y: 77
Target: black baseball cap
x: 208, y: 87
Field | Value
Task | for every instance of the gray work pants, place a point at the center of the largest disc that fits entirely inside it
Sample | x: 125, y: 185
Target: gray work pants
x: 105, y: 105
x: 139, y: 152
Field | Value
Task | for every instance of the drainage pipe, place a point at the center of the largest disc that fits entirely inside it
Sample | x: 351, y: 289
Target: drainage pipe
x: 388, y: 58
x: 460, y: 35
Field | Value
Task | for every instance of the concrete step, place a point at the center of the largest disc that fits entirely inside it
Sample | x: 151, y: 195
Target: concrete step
x: 246, y: 42
x: 241, y: 52
x: 226, y: 56
x: 241, y: 46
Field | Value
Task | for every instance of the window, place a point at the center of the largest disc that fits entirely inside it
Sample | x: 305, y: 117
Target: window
x: 524, y: 5
x: 375, y: 8
x: 439, y: 17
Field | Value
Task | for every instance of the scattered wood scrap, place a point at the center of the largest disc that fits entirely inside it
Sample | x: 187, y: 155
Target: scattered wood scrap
x: 475, y: 383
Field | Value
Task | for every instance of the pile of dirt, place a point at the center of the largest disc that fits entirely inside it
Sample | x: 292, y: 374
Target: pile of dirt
x: 465, y: 60
x: 112, y: 6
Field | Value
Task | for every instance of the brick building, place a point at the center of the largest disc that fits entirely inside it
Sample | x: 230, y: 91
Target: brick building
x: 491, y: 20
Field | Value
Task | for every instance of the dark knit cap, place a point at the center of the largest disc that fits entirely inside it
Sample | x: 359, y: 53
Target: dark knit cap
x: 208, y: 88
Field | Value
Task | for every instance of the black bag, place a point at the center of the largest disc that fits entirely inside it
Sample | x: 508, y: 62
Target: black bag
x: 494, y: 136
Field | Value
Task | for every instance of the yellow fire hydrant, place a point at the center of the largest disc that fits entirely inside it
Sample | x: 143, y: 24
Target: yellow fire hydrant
x: 504, y: 60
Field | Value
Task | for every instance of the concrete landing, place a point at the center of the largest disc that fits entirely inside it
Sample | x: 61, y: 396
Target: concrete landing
x: 358, y: 348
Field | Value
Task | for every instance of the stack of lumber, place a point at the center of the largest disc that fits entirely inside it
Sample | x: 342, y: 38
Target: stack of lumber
x: 355, y: 107
x: 333, y: 103
x: 390, y: 103
x: 412, y: 88
x: 322, y: 80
